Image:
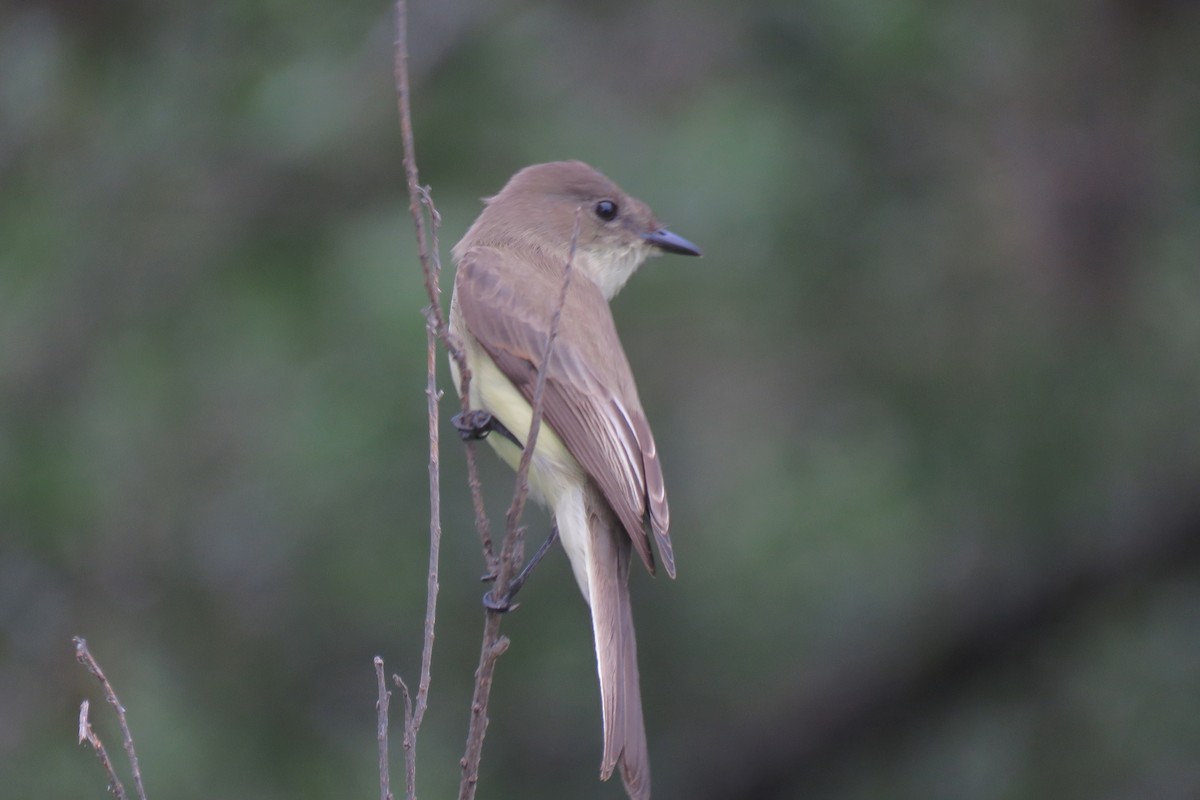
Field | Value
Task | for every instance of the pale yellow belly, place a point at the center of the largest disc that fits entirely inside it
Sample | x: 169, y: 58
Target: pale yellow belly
x: 553, y: 470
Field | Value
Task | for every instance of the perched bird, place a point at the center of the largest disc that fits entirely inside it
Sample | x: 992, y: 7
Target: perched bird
x: 595, y: 466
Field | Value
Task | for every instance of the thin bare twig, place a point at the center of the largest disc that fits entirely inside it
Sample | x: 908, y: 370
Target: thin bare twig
x: 381, y: 731
x: 433, y: 395
x: 410, y: 742
x: 494, y: 644
x: 435, y: 328
x: 84, y: 657
x: 514, y: 534
x: 482, y: 525
x: 406, y: 134
x: 502, y: 567
x: 86, y: 734
x: 431, y: 267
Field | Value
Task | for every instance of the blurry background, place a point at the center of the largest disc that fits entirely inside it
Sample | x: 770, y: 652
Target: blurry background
x: 929, y: 407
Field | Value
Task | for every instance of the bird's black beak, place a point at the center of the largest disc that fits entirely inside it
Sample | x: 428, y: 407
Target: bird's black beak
x: 669, y: 242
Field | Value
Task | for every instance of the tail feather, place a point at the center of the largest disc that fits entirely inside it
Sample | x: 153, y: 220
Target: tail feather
x: 616, y: 651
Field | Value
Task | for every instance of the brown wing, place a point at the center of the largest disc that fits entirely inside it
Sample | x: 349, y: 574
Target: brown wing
x: 506, y: 301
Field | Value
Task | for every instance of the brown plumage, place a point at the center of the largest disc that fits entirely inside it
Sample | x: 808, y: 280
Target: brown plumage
x: 596, y: 465
x: 590, y: 400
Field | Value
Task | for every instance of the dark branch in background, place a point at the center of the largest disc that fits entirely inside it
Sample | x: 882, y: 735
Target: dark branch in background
x: 84, y: 657
x: 803, y: 743
x: 494, y: 644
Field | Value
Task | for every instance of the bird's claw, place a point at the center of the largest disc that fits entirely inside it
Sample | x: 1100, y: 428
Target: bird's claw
x: 477, y: 424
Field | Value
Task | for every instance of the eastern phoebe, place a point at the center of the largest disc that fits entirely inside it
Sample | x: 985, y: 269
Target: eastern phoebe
x: 595, y: 466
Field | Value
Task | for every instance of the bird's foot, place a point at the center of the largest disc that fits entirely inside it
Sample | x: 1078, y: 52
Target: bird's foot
x: 504, y: 603
x: 477, y: 424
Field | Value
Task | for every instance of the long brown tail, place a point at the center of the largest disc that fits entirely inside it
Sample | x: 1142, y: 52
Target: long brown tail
x: 616, y: 651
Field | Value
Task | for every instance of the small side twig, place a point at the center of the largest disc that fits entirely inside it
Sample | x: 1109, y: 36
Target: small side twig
x: 514, y: 533
x: 381, y: 731
x: 84, y: 657
x: 86, y: 734
x: 410, y: 742
x: 494, y: 644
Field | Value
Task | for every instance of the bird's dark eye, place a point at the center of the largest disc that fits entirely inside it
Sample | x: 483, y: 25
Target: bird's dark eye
x: 606, y: 210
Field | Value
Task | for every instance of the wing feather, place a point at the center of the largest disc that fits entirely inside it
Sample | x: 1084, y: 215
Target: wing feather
x: 506, y: 301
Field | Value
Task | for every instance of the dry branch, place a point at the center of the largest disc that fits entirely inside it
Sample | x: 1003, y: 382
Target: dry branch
x: 86, y: 734
x: 381, y: 731
x: 435, y: 325
x: 84, y: 657
x: 494, y: 644
x: 436, y: 330
x: 505, y: 566
x: 410, y: 742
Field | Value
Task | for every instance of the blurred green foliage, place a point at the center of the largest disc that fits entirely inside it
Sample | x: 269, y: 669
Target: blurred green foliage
x: 929, y: 406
